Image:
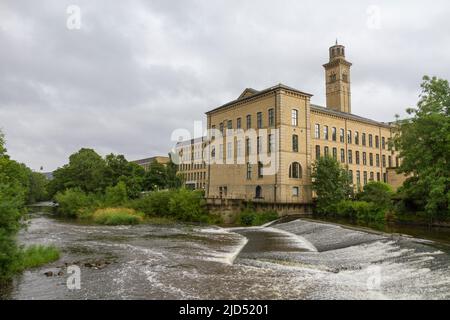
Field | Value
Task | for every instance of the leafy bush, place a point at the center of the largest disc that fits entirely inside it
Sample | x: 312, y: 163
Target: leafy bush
x: 188, y: 205
x: 72, y: 202
x: 117, y: 216
x: 251, y: 218
x: 154, y: 204
x: 37, y: 255
x: 117, y: 195
x: 378, y: 193
x: 359, y: 210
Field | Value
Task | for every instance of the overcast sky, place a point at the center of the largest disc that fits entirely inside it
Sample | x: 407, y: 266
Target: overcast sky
x: 137, y: 70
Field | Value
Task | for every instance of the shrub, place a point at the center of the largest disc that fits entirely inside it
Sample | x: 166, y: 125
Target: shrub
x: 359, y: 210
x: 37, y: 255
x: 155, y: 203
x: 249, y: 217
x: 72, y: 201
x: 377, y: 193
x: 188, y: 205
x: 117, y: 195
x: 117, y: 216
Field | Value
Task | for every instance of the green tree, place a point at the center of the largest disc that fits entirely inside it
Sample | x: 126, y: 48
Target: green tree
x: 423, y: 142
x: 155, y: 177
x: 13, y: 189
x: 377, y: 193
x: 173, y: 180
x: 38, y: 187
x: 117, y: 195
x: 86, y: 170
x: 331, y: 184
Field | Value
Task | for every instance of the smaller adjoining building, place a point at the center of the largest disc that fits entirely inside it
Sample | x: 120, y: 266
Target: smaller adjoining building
x: 191, y: 165
x: 145, y: 163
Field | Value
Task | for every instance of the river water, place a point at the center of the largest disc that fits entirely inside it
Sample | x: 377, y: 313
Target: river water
x: 300, y: 259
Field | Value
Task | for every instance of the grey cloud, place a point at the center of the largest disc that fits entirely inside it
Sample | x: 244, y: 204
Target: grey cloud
x: 139, y: 69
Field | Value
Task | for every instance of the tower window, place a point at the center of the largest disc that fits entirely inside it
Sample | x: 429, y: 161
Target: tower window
x: 294, y: 117
x: 345, y: 77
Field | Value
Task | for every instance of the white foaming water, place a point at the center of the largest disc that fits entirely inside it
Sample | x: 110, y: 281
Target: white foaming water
x: 299, y: 241
x: 227, y: 253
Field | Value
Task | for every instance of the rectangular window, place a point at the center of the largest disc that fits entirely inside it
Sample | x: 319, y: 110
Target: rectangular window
x: 239, y: 123
x: 326, y: 151
x: 384, y: 161
x: 295, y: 191
x: 259, y: 120
x: 271, y: 117
x: 385, y: 177
x: 221, y: 128
x: 213, y: 133
x: 349, y: 136
x: 248, y: 148
x: 371, y: 159
x: 364, y: 159
x: 229, y: 124
x: 342, y: 136
x: 363, y: 139
x: 377, y: 142
x: 378, y: 176
x: 342, y: 155
x: 371, y: 176
x: 357, y: 137
x: 370, y: 141
x: 333, y: 134
x: 357, y: 157
x: 350, y: 157
x: 325, y: 132
x: 239, y: 149
x: 294, y: 117
x: 229, y: 150
x: 259, y: 145
x: 317, y: 152
x: 249, y: 121
x: 249, y: 171
x: 317, y: 131
x: 383, y: 143
x: 260, y: 170
x: 350, y: 176
x: 358, y: 177
x: 365, y: 177
x: 377, y: 160
x: 270, y: 143
x: 221, y: 151
x: 335, y: 153
x: 295, y: 143
x: 390, y: 161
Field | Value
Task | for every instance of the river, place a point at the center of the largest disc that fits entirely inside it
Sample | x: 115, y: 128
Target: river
x: 299, y: 259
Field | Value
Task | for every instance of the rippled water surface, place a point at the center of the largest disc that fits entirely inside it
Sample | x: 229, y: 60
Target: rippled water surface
x: 294, y: 260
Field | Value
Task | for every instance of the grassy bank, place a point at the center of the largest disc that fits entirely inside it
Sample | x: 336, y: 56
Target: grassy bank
x: 36, y: 256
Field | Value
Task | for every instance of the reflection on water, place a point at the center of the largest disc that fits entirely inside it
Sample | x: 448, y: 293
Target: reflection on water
x: 293, y: 260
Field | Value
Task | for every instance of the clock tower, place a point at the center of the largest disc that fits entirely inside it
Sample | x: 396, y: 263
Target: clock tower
x: 337, y: 79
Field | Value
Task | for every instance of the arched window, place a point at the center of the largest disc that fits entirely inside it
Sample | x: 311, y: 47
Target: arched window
x: 258, y: 192
x: 295, y: 171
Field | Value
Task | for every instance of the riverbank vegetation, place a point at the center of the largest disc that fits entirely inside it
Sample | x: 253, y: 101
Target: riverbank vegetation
x: 249, y: 217
x: 423, y: 142
x: 19, y: 186
x: 424, y: 145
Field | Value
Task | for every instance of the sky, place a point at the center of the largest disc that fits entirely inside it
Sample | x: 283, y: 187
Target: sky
x: 120, y: 76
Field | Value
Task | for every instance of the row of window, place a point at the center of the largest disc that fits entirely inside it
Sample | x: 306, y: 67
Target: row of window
x: 351, y: 137
x: 190, y: 176
x: 223, y: 192
x: 228, y: 124
x: 367, y: 176
x: 191, y: 166
x: 239, y: 147
x: 295, y: 170
x: 357, y: 159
